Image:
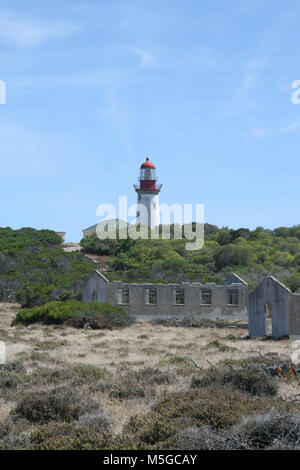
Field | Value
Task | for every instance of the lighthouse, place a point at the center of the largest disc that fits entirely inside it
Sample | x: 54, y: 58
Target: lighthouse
x: 148, y: 196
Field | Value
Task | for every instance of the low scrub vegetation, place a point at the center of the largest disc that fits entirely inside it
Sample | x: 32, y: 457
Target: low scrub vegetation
x: 218, y: 407
x: 144, y: 387
x: 245, y: 380
x: 268, y: 431
x: 219, y: 346
x: 94, y: 315
x: 61, y: 404
x: 188, y: 322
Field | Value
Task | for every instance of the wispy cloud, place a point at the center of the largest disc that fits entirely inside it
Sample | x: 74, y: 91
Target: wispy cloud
x: 161, y: 58
x: 284, y: 129
x: 143, y: 55
x: 292, y: 127
x: 259, y: 133
x: 114, y: 114
x: 251, y: 72
x: 22, y: 31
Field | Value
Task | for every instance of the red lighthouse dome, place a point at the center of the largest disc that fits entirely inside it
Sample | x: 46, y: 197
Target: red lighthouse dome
x: 148, y: 178
x: 148, y: 164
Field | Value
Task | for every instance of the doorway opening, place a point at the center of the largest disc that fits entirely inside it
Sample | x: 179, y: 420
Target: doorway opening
x: 268, y: 319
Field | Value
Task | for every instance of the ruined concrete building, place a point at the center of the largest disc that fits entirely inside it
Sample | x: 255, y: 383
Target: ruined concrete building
x: 227, y: 301
x: 274, y: 310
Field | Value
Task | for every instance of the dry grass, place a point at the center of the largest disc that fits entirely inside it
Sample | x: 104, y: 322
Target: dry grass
x: 141, y: 345
x: 120, y: 354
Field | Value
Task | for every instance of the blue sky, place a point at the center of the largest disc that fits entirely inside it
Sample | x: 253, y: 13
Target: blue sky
x: 203, y: 87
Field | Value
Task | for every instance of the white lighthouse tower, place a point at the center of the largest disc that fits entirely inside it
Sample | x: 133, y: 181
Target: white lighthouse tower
x: 148, y: 196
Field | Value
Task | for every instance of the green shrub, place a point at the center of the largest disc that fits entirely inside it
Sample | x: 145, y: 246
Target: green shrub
x: 93, y: 315
x: 151, y: 429
x: 245, y: 380
x: 217, y: 406
x: 61, y: 404
x: 86, y: 373
x: 220, y: 346
x: 67, y: 436
x: 96, y: 315
x: 12, y: 374
x: 9, y: 380
x: 175, y: 360
x: 152, y: 376
x: 131, y: 384
x: 93, y: 244
x: 126, y: 388
x: 15, y: 366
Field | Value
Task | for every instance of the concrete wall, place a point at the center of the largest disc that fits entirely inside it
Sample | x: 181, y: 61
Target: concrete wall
x: 285, y: 305
x: 96, y: 283
x: 62, y: 235
x: 233, y: 279
x: 137, y: 300
x: 88, y: 233
x: 295, y: 317
x: 272, y: 292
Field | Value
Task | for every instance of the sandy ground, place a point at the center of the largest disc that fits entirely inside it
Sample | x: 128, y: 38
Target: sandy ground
x: 141, y: 344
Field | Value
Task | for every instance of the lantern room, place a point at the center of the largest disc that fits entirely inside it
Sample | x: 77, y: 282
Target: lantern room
x: 147, y: 171
x: 148, y: 177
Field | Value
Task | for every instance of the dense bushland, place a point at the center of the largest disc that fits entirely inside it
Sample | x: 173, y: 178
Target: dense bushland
x: 94, y: 315
x: 34, y: 269
x: 250, y: 253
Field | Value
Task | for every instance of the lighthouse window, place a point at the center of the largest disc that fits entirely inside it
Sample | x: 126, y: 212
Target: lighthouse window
x: 232, y: 297
x: 123, y: 296
x: 147, y: 174
x: 205, y: 297
x: 178, y: 296
x: 151, y: 296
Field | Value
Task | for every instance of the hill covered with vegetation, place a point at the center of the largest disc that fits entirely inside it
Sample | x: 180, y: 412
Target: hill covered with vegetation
x: 35, y: 269
x: 250, y: 253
